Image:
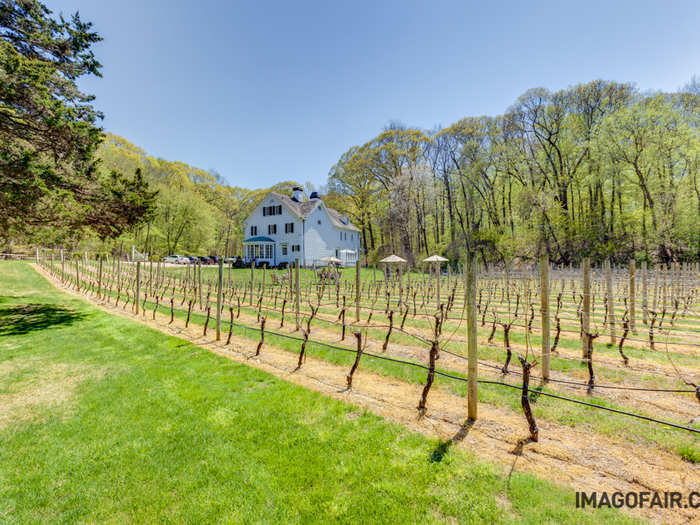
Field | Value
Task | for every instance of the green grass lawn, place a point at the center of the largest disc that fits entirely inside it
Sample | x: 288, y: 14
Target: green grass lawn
x: 105, y: 420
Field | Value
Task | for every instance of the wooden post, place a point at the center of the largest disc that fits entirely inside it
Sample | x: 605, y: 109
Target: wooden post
x: 63, y: 266
x: 99, y: 276
x: 586, y: 304
x: 437, y: 273
x: 77, y: 271
x: 544, y: 310
x: 645, y: 303
x: 633, y: 269
x: 664, y: 289
x: 472, y: 356
x: 297, y: 287
x: 611, y: 300
x: 219, y: 293
x: 37, y: 255
x: 262, y: 288
x: 199, y: 282
x: 138, y: 286
x: 252, y: 280
x: 357, y: 290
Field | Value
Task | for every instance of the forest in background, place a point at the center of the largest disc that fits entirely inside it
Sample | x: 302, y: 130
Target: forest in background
x: 598, y: 169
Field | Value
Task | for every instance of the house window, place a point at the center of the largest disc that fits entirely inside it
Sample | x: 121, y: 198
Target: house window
x: 284, y: 249
x: 272, y: 210
x: 271, y: 229
x: 295, y: 247
x: 319, y: 221
x: 289, y: 227
x: 268, y: 251
x: 253, y: 230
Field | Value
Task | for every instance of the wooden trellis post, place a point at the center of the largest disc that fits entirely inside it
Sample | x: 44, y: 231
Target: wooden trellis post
x: 645, y: 303
x: 199, y: 282
x: 297, y: 287
x: 544, y: 309
x: 138, y: 286
x: 586, y: 312
x: 77, y: 271
x: 664, y: 290
x: 611, y: 300
x: 219, y: 290
x: 252, y: 280
x: 437, y: 274
x: 357, y: 290
x: 472, y: 355
x: 633, y: 268
x: 99, y: 276
x: 262, y: 289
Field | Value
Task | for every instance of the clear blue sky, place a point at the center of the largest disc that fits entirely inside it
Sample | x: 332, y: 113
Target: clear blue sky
x: 266, y: 91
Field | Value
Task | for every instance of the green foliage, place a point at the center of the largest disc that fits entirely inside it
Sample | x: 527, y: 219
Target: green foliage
x: 195, y: 211
x: 596, y: 169
x: 48, y: 132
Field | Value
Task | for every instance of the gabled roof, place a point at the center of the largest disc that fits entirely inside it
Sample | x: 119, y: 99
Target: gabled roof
x: 300, y: 209
x: 303, y: 209
x: 340, y: 221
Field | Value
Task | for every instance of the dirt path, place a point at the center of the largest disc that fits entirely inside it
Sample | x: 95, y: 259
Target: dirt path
x: 569, y: 456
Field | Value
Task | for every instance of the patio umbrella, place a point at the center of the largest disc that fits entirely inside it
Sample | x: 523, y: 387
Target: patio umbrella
x: 435, y: 259
x: 393, y: 259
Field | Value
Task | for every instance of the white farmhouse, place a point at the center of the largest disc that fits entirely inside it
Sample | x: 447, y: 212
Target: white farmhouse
x: 282, y: 229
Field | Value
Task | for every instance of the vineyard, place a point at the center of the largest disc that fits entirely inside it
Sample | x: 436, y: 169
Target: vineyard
x: 601, y: 361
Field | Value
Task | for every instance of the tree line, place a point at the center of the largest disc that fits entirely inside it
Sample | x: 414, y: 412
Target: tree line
x: 598, y: 169
x: 196, y: 211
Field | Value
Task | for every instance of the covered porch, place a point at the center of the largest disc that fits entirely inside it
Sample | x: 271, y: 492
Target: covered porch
x: 348, y: 257
x: 260, y: 249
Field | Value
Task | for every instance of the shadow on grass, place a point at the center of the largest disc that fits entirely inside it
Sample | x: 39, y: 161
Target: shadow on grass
x: 443, y: 447
x: 20, y: 320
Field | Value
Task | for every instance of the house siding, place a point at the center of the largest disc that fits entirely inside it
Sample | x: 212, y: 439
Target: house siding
x: 315, y: 240
x: 322, y: 240
x: 256, y: 218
